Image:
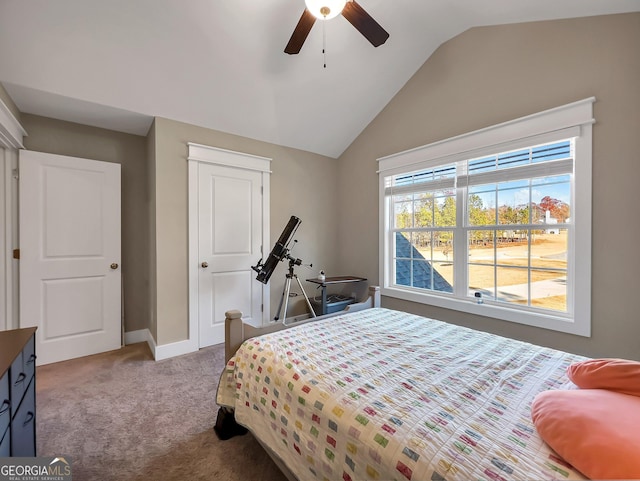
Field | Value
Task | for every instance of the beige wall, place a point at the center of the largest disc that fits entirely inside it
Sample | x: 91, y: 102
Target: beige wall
x: 480, y: 78
x: 494, y: 74
x: 302, y: 184
x: 66, y: 138
x: 8, y: 101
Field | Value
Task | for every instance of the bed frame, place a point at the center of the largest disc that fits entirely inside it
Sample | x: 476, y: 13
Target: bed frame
x: 236, y: 331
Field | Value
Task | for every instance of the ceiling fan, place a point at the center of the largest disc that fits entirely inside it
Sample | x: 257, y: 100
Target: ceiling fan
x: 326, y: 9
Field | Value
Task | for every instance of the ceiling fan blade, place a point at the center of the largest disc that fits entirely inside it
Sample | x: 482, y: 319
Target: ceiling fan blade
x: 365, y: 24
x: 300, y: 33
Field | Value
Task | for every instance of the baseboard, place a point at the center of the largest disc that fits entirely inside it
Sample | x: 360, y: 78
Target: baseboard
x: 164, y: 351
x: 179, y: 348
x: 141, y: 335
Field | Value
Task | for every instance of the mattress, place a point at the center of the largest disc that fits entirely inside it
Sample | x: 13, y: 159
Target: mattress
x: 382, y: 394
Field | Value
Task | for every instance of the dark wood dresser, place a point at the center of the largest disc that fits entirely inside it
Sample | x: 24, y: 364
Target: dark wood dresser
x: 18, y: 392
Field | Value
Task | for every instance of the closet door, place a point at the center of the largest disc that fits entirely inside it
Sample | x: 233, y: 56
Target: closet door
x: 70, y: 281
x: 230, y: 241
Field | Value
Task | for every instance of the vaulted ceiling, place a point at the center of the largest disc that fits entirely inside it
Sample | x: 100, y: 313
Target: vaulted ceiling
x: 220, y: 63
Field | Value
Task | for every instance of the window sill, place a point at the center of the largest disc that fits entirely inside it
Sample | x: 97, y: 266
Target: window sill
x: 493, y: 310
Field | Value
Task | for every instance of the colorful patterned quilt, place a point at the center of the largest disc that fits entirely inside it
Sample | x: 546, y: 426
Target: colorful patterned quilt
x: 386, y: 395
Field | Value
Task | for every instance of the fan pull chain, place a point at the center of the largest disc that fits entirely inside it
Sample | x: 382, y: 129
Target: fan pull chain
x: 324, y: 43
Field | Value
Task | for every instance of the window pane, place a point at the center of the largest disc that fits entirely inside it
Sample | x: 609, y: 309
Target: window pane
x: 422, y: 274
x: 442, y: 243
x: 444, y: 250
x: 444, y: 172
x: 481, y: 203
x: 512, y: 284
x: 507, y: 239
x: 483, y: 164
x: 549, y: 290
x: 403, y: 245
x: 513, y: 159
x: 513, y: 202
x: 556, y: 151
x: 549, y: 249
x: 552, y: 202
x: 443, y: 258
x: 403, y: 272
x: 402, y: 180
x: 443, y: 276
x: 481, y: 248
x: 422, y: 243
x: 512, y: 248
x: 403, y: 213
x: 424, y: 176
x: 445, y: 211
x: 424, y: 210
x: 481, y: 279
x: 425, y: 260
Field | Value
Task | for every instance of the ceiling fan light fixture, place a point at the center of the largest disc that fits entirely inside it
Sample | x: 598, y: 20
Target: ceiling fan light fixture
x: 325, y: 9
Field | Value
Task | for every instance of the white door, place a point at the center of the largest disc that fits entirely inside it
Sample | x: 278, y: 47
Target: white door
x: 70, y: 281
x: 230, y: 240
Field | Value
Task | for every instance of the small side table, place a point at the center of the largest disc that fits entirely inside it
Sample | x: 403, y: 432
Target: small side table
x: 329, y: 281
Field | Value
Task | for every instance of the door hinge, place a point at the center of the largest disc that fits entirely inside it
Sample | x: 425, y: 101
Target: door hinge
x: 261, y: 190
x: 16, y: 253
x: 261, y: 307
x: 15, y: 173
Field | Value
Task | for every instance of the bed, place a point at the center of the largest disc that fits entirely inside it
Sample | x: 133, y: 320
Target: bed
x: 383, y: 394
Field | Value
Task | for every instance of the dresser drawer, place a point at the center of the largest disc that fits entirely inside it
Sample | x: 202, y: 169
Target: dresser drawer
x: 18, y: 393
x: 29, y: 359
x: 5, y: 443
x: 18, y: 382
x: 5, y: 404
x: 23, y: 426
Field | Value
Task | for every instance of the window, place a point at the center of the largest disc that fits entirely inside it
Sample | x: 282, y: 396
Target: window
x: 496, y: 222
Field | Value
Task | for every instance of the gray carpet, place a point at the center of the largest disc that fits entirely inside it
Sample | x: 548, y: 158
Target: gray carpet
x: 123, y: 416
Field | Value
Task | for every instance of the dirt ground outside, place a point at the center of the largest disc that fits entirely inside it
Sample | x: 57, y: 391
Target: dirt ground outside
x: 547, y: 251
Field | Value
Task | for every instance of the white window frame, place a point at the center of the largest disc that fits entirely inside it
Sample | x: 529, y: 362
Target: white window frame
x: 574, y: 120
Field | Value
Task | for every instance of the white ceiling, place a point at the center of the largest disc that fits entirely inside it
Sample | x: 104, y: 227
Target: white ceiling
x: 220, y: 63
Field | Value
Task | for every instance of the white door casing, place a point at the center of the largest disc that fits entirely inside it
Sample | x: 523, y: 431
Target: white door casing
x: 70, y: 273
x: 4, y: 249
x: 11, y: 135
x: 231, y: 226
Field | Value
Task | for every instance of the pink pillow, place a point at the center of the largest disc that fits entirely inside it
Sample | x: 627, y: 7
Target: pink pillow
x: 595, y: 430
x: 616, y: 374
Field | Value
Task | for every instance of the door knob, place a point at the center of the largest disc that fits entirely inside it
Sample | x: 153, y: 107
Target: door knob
x: 114, y: 266
x: 205, y: 264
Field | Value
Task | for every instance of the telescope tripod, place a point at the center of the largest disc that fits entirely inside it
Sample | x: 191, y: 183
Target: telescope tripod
x: 287, y: 291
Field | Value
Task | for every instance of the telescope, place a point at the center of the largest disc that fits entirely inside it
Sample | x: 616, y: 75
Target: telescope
x: 279, y: 252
